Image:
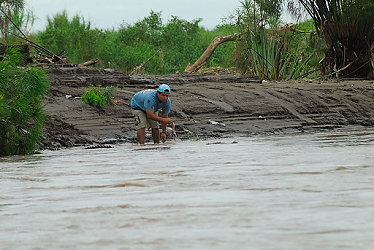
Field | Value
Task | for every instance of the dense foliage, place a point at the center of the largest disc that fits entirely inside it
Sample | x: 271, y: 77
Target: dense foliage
x: 179, y: 43
x: 348, y: 28
x: 175, y: 44
x: 8, y: 8
x: 344, y: 38
x: 21, y: 107
x: 268, y: 49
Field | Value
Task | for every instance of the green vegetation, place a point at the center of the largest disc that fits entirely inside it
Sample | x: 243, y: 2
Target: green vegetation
x: 263, y: 51
x: 264, y: 48
x: 74, y: 38
x: 270, y: 57
x: 189, y: 138
x: 347, y: 26
x: 180, y: 42
x: 9, y: 8
x: 343, y: 38
x: 269, y: 50
x: 98, y: 97
x: 21, y: 113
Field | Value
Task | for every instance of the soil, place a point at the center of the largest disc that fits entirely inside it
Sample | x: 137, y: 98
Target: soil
x: 213, y: 105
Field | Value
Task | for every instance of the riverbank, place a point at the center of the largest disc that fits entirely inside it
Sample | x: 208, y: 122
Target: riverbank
x: 203, y: 106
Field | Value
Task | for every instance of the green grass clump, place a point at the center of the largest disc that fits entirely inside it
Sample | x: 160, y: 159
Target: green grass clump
x: 98, y: 97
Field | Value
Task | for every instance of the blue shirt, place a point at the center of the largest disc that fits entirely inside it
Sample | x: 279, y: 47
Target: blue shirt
x: 147, y: 99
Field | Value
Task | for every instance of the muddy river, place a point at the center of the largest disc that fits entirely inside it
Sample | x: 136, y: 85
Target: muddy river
x: 305, y: 191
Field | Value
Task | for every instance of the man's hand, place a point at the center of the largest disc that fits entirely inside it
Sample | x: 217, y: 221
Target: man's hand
x: 163, y: 137
x: 167, y: 120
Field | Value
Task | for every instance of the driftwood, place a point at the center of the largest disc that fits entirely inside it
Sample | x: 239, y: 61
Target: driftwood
x: 209, y: 52
x: 89, y: 63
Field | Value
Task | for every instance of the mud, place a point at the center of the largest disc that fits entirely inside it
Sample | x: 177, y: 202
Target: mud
x: 204, y: 106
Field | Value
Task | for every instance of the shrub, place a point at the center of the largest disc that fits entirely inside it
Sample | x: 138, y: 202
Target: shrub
x: 98, y: 97
x: 181, y: 42
x: 21, y: 108
x: 73, y: 37
x: 269, y: 51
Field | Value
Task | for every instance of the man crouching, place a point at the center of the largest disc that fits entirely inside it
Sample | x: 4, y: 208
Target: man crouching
x: 145, y: 106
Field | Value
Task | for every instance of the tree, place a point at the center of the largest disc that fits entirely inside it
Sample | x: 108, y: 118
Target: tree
x: 7, y: 9
x: 74, y: 35
x: 262, y: 47
x: 348, y: 28
x: 21, y: 105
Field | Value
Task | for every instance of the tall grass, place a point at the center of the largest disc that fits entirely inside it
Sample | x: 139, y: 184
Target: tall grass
x: 270, y: 57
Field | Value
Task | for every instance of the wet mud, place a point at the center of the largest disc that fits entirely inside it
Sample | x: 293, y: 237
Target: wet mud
x: 214, y: 105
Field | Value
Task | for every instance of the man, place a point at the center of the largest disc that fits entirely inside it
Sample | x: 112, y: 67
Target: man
x: 145, y: 106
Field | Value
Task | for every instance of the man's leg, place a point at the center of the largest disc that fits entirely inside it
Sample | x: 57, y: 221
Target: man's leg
x: 140, y: 119
x: 141, y: 135
x: 156, y: 135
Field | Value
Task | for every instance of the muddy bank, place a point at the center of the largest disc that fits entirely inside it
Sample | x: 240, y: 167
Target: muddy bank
x: 203, y: 106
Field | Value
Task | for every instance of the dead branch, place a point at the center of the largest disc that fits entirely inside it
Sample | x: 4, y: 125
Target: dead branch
x: 209, y: 51
x: 289, y: 26
x: 88, y: 63
x: 140, y: 68
x: 222, y: 39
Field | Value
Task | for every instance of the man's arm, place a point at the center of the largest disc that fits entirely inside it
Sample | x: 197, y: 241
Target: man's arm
x: 164, y: 119
x: 163, y: 126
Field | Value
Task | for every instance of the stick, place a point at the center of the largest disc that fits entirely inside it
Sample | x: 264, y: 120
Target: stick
x: 145, y: 62
x: 174, y: 133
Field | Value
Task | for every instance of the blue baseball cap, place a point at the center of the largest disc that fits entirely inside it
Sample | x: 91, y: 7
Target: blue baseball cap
x: 164, y: 88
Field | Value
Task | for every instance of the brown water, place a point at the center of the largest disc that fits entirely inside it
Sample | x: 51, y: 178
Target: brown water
x: 309, y: 191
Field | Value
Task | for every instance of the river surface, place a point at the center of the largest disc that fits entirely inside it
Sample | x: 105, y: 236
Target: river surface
x: 305, y: 191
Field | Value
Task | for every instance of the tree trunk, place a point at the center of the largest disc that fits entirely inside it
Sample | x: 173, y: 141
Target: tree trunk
x: 209, y: 51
